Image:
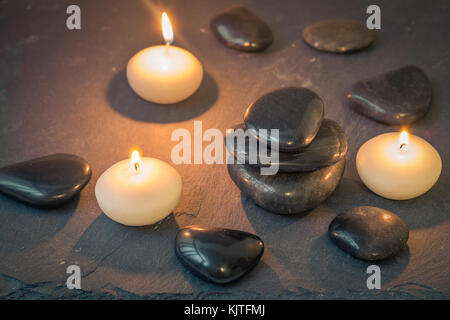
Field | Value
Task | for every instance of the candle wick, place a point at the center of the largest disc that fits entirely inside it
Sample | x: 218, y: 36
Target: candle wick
x: 167, y: 47
x: 403, y: 145
x: 136, y: 166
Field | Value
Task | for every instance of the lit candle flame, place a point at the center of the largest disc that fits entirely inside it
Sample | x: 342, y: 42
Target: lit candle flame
x: 403, y: 141
x: 135, y: 162
x: 167, y: 29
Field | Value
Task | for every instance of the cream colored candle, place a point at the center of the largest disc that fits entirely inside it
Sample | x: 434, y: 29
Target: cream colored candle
x: 164, y: 74
x: 398, y: 166
x: 138, y: 191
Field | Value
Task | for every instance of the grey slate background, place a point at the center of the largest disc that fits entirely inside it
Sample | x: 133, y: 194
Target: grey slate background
x: 66, y: 91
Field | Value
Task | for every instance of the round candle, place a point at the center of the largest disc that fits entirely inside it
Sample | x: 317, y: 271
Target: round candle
x: 398, y: 166
x: 138, y: 192
x: 164, y: 74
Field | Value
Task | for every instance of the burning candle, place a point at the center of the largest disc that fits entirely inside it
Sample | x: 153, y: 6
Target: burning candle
x: 398, y: 166
x: 138, y: 191
x: 164, y: 74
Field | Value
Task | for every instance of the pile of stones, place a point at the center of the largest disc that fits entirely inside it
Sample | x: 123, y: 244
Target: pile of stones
x: 311, y: 152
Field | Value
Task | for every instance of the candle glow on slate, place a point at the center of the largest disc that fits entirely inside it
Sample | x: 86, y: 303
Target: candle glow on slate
x: 138, y: 191
x: 398, y: 166
x: 164, y: 74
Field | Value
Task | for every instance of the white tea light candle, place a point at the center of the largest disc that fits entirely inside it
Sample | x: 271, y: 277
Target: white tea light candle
x: 164, y: 74
x: 138, y: 191
x: 398, y: 166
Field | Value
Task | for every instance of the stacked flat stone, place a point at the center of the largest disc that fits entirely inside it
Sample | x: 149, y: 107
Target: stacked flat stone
x: 311, y: 152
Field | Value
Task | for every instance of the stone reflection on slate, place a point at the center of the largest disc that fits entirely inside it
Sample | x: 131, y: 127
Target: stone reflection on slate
x: 218, y: 255
x: 45, y: 182
x: 241, y: 29
x: 329, y: 146
x: 287, y: 193
x: 338, y: 35
x: 401, y: 96
x: 296, y: 112
x: 369, y: 233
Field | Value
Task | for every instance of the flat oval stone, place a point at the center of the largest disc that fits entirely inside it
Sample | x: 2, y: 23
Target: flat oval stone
x: 45, y: 182
x: 329, y: 146
x: 287, y: 193
x: 296, y: 112
x: 401, y: 96
x: 338, y: 35
x: 369, y: 233
x: 239, y: 28
x: 218, y: 255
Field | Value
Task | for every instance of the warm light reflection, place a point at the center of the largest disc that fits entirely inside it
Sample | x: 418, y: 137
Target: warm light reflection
x: 403, y: 141
x: 135, y: 162
x: 167, y: 29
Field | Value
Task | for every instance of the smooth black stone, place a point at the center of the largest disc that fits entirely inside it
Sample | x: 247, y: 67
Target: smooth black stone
x: 241, y: 29
x: 338, y: 35
x: 45, y: 182
x: 296, y: 112
x: 218, y: 255
x: 369, y: 233
x: 287, y: 193
x: 401, y: 96
x: 329, y: 146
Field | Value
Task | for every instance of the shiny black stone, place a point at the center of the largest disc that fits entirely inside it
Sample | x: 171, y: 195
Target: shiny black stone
x: 45, y: 182
x: 401, y: 96
x: 296, y: 112
x: 218, y: 255
x: 329, y: 146
x: 241, y: 29
x: 338, y: 35
x: 369, y: 233
x: 287, y: 193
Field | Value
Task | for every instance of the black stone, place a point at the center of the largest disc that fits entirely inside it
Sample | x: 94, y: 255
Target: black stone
x: 329, y: 146
x: 369, y: 233
x: 401, y: 96
x: 241, y: 29
x: 296, y: 112
x: 218, y: 255
x: 287, y: 193
x: 45, y: 182
x: 338, y: 35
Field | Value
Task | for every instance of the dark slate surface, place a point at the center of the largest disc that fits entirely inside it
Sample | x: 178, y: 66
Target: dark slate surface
x: 65, y: 92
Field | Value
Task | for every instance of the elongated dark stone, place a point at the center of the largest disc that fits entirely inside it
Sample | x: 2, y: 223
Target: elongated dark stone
x: 401, y: 96
x: 218, y: 255
x: 338, y: 35
x: 369, y: 233
x: 45, y: 182
x: 239, y: 28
